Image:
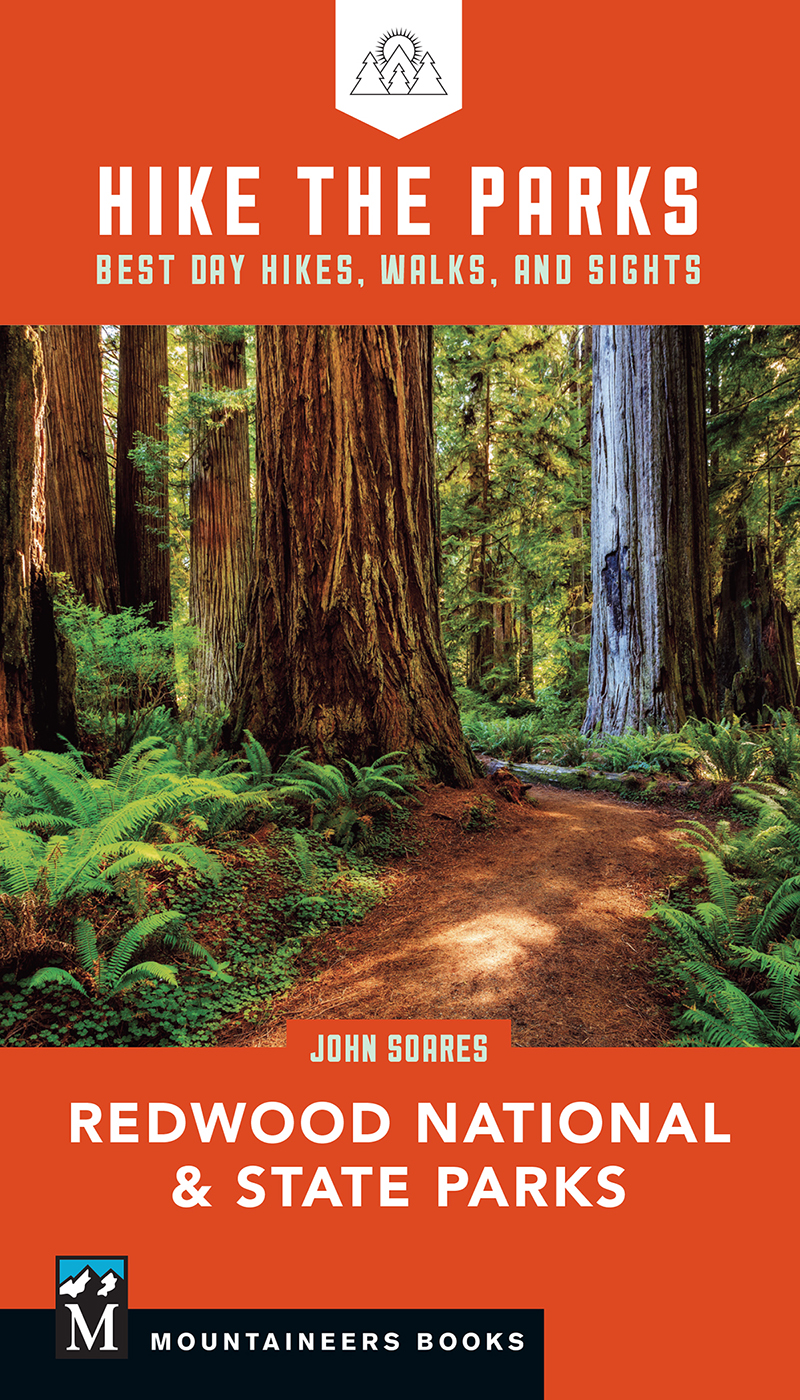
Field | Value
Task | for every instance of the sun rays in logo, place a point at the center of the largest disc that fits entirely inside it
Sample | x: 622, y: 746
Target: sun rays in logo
x: 399, y: 38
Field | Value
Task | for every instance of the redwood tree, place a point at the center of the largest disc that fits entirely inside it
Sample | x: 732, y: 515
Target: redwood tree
x: 477, y: 410
x: 756, y: 664
x: 343, y: 652
x: 80, y: 532
x: 37, y: 675
x: 652, y: 656
x: 221, y: 543
x: 142, y: 518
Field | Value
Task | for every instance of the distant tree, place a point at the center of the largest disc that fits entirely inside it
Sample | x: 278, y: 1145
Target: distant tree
x: 580, y: 610
x: 142, y: 487
x: 510, y: 459
x: 80, y: 532
x: 756, y: 665
x: 221, y: 549
x: 36, y: 667
x: 478, y: 418
x: 754, y: 433
x: 652, y: 655
x: 343, y: 654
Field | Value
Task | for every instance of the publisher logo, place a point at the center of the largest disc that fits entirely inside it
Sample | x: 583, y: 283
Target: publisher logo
x: 398, y: 65
x: 91, y: 1307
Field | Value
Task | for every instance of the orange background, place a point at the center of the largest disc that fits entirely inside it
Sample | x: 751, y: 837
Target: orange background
x: 191, y: 84
x: 674, y: 1292
x: 688, y: 1287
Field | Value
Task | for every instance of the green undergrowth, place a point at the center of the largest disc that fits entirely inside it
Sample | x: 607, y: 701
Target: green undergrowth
x: 267, y: 908
x: 156, y: 903
x: 730, y: 934
x: 729, y: 751
x: 731, y: 950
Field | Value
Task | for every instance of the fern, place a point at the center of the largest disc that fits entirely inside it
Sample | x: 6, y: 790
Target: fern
x: 112, y: 972
x: 738, y: 953
x: 86, y: 946
x: 721, y: 888
x: 112, y: 968
x: 343, y: 800
x: 781, y: 743
x: 781, y: 996
x: 650, y: 753
x: 727, y: 749
x: 54, y: 976
x: 145, y: 972
x: 722, y: 1013
x: 783, y: 903
x: 303, y: 859
x: 257, y: 760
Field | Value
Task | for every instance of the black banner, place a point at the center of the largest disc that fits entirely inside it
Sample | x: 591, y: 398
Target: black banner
x: 415, y: 1353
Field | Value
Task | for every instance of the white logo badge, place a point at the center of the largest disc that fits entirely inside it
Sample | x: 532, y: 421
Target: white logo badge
x: 398, y: 65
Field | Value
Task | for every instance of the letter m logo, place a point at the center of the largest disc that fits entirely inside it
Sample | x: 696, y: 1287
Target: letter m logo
x: 80, y: 1325
x: 92, y: 1307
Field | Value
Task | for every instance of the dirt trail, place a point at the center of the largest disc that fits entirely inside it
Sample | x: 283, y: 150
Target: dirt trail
x: 538, y: 919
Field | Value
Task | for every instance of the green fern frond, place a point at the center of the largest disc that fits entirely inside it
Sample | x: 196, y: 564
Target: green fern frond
x: 54, y: 976
x: 721, y: 886
x: 257, y: 760
x: 149, y: 927
x: 303, y: 859
x: 783, y: 902
x: 45, y: 824
x: 696, y: 836
x: 133, y: 766
x: 21, y: 858
x: 695, y: 936
x: 143, y: 972
x: 136, y: 819
x: 195, y: 858
x: 130, y: 857
x: 86, y: 945
x: 722, y: 1000
x: 183, y: 942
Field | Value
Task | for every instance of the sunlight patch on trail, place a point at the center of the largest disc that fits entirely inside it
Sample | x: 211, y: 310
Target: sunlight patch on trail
x: 501, y: 940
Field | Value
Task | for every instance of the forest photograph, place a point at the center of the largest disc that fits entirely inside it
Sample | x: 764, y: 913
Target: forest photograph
x: 399, y: 672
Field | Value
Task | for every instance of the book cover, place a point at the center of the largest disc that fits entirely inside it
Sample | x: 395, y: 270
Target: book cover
x: 427, y: 1167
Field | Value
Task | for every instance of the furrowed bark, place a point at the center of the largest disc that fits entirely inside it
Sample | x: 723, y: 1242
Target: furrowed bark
x: 756, y: 665
x: 37, y: 675
x: 344, y: 653
x: 142, y: 515
x: 80, y: 532
x: 652, y: 657
x: 221, y: 546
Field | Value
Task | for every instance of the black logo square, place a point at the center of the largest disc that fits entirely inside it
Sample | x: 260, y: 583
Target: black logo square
x: 92, y: 1307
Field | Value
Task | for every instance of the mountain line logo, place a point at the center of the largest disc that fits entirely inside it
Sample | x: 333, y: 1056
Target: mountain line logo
x: 400, y: 69
x: 391, y: 50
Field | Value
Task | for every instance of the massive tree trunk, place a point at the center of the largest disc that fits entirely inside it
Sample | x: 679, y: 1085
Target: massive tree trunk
x: 652, y: 657
x: 756, y: 664
x: 344, y: 653
x: 36, y: 667
x: 221, y: 549
x: 142, y: 521
x: 80, y: 532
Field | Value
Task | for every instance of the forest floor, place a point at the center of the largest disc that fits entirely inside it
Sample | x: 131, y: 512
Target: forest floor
x: 539, y: 919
